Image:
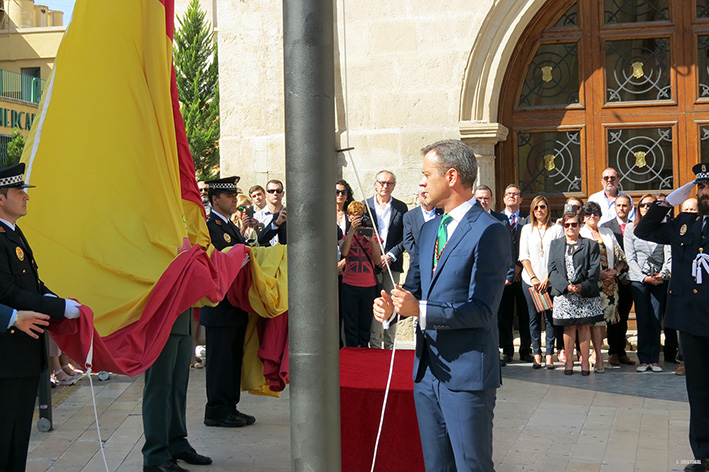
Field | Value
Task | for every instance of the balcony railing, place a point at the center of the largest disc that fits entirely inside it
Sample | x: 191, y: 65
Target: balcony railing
x: 21, y: 86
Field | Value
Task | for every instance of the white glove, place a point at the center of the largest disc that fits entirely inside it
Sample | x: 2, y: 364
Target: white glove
x: 71, y: 309
x: 681, y: 194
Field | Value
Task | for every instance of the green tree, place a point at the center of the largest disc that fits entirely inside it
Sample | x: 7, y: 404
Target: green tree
x: 14, y: 148
x: 197, y: 73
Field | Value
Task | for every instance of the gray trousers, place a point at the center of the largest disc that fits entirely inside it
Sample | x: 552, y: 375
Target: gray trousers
x: 378, y: 336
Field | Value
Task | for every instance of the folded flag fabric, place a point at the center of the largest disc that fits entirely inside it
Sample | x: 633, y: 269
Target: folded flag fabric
x: 116, y: 221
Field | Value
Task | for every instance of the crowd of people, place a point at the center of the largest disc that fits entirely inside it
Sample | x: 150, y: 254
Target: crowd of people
x: 574, y: 279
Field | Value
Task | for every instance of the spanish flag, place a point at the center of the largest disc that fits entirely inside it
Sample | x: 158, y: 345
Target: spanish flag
x: 116, y: 220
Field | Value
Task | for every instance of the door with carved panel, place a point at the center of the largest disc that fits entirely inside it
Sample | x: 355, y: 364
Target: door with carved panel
x: 599, y: 83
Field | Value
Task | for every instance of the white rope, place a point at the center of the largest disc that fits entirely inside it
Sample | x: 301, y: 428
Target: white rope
x: 376, y: 230
x: 88, y: 365
x: 700, y: 262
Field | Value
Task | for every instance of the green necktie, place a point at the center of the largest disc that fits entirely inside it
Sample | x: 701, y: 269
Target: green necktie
x: 442, y: 238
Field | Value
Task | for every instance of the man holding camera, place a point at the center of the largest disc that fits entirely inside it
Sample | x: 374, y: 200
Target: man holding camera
x: 388, y: 213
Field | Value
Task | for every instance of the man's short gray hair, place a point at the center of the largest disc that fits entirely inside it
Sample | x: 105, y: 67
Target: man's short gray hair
x: 455, y: 154
x: 383, y: 171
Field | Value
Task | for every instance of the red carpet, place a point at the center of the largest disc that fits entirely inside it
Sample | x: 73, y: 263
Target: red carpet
x: 363, y: 377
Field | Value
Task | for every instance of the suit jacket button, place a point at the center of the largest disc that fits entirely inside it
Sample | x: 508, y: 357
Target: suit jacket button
x: 12, y: 331
x: 670, y: 291
x: 694, y: 291
x: 24, y: 270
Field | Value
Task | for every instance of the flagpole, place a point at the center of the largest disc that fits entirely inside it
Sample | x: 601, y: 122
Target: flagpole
x: 312, y: 254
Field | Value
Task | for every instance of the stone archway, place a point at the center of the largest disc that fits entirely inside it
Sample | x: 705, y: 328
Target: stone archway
x: 482, y: 81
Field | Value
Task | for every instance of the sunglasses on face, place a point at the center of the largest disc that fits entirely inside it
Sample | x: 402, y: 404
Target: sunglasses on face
x: 571, y: 225
x: 540, y: 207
x: 275, y: 190
x: 609, y: 178
x: 341, y: 192
x: 592, y: 213
x: 644, y: 205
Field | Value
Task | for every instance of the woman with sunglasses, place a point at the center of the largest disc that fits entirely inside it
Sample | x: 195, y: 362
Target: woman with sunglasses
x: 574, y: 268
x: 648, y: 270
x: 343, y: 197
x: 575, y: 205
x: 612, y: 261
x: 534, y: 242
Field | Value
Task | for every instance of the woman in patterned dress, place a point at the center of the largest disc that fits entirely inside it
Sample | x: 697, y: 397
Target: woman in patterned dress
x: 612, y: 261
x: 574, y: 268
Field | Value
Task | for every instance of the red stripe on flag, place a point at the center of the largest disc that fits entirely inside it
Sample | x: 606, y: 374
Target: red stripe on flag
x: 132, y: 349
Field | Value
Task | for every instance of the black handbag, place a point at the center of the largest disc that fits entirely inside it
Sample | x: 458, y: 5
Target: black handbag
x: 653, y: 264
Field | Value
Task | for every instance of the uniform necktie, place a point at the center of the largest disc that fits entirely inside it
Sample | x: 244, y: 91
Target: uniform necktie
x: 442, y: 238
x: 513, y: 225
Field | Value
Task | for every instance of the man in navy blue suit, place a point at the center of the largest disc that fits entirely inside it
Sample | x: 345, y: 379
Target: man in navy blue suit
x: 414, y: 220
x: 454, y: 286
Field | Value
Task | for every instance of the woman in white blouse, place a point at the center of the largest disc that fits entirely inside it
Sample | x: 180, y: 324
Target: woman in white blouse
x: 534, y: 241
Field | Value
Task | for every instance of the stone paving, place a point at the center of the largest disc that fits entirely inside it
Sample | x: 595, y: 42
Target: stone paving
x: 544, y: 421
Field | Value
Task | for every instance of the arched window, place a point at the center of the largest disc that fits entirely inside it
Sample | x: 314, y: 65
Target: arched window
x: 599, y: 83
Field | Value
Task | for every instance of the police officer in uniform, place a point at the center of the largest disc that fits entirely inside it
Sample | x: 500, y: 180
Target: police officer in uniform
x: 688, y: 298
x: 225, y: 324
x: 22, y: 346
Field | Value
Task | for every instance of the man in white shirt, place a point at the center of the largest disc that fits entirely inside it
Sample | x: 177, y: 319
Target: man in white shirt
x: 388, y: 213
x: 606, y: 197
x: 273, y: 215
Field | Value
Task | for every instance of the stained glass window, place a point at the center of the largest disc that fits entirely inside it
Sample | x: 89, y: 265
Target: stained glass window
x: 550, y: 161
x: 638, y: 69
x: 642, y: 157
x: 552, y: 77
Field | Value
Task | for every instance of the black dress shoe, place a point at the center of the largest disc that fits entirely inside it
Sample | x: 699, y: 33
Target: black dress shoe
x: 191, y: 457
x: 248, y: 418
x: 526, y: 358
x: 169, y: 466
x: 505, y: 358
x: 230, y: 421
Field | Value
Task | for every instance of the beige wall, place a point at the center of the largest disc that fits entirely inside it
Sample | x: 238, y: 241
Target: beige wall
x: 417, y: 72
x: 406, y: 63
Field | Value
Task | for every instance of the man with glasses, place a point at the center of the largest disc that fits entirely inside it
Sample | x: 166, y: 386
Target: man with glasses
x: 606, y: 197
x: 513, y: 301
x: 388, y: 216
x: 273, y: 215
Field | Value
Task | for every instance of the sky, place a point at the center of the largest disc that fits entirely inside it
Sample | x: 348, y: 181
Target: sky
x: 66, y: 6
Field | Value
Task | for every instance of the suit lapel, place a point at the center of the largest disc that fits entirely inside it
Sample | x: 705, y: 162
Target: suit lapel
x: 458, y: 235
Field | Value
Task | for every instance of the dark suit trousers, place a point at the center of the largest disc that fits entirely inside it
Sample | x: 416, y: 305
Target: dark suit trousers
x: 512, y: 302
x: 225, y: 352
x: 17, y: 400
x: 455, y: 426
x: 617, y: 331
x: 165, y: 400
x: 695, y: 350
